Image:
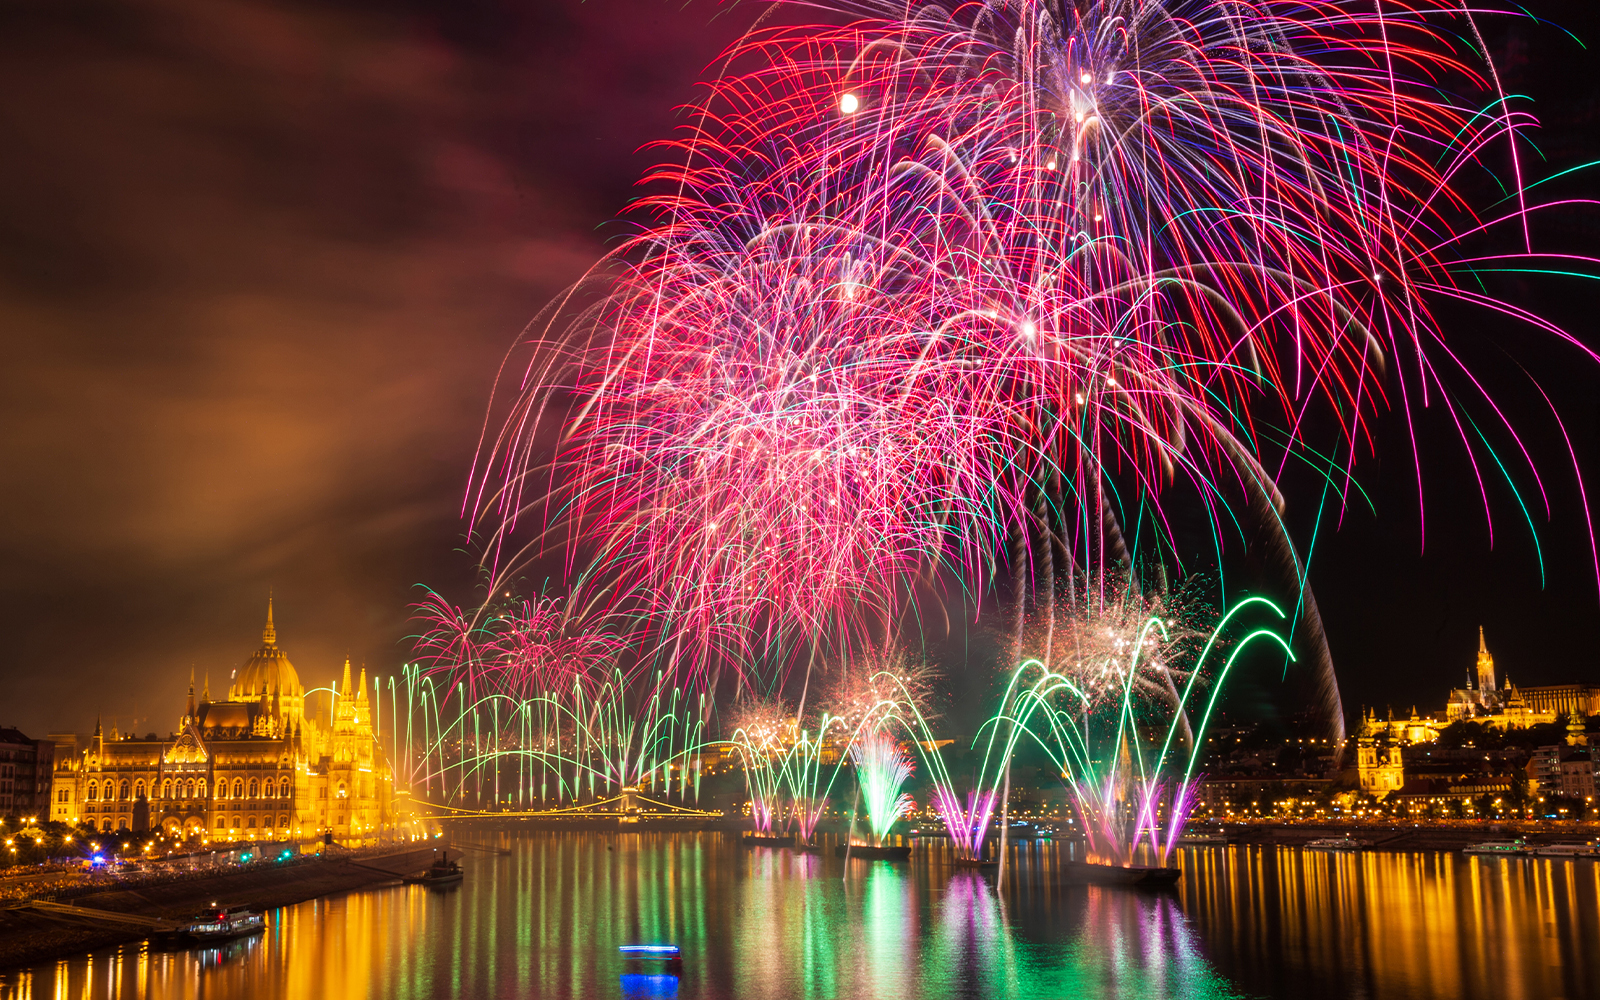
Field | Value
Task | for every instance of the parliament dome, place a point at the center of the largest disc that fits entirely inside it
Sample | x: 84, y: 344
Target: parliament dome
x: 269, y: 672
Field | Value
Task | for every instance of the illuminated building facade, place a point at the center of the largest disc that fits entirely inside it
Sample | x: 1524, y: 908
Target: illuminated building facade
x: 253, y: 765
x: 1580, y: 700
x: 1378, y: 761
x: 24, y: 774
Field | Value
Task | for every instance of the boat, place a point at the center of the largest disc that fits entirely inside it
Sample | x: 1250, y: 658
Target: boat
x: 1503, y: 848
x: 1337, y: 844
x: 442, y: 872
x: 1097, y: 874
x: 650, y: 952
x: 217, y: 922
x: 767, y: 840
x: 669, y: 955
x: 872, y: 853
x: 960, y: 862
x: 1567, y: 851
x: 1190, y: 839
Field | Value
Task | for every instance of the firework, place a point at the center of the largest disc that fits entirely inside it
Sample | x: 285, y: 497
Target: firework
x: 1111, y: 629
x: 946, y: 294
x: 882, y: 768
x: 1129, y: 762
x: 936, y: 279
x: 516, y: 648
x: 600, y: 734
x: 763, y: 738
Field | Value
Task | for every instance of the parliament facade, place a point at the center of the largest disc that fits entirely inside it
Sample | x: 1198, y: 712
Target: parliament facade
x: 252, y: 766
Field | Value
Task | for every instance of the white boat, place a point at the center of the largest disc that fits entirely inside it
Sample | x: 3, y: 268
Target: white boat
x: 1202, y: 838
x: 217, y: 923
x: 1566, y: 851
x: 1501, y: 848
x: 1337, y: 844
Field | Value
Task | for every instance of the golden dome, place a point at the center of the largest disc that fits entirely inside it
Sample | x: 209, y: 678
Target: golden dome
x: 269, y: 673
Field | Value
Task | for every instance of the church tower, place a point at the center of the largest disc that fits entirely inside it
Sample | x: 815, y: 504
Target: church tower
x: 1485, y: 668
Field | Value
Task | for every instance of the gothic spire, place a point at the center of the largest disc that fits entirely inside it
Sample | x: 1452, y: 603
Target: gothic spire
x: 269, y: 635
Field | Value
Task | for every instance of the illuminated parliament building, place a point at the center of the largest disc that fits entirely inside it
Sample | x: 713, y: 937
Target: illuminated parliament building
x: 252, y: 766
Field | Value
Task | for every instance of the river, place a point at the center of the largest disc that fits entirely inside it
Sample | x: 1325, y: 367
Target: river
x: 545, y: 921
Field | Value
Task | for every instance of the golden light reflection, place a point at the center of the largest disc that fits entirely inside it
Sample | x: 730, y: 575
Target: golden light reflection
x: 546, y: 920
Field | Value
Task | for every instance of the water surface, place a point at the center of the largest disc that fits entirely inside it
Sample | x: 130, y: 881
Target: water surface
x: 546, y: 920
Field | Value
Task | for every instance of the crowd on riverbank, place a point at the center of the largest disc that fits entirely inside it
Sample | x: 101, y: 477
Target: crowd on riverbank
x: 62, y: 883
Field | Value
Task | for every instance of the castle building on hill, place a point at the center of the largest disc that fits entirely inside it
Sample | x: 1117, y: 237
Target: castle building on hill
x: 252, y: 766
x: 1380, y: 744
x: 1508, y: 707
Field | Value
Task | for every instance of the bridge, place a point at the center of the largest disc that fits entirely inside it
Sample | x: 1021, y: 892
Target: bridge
x: 627, y: 807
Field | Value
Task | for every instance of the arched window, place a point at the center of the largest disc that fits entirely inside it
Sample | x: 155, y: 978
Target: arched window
x: 124, y: 794
x: 105, y: 826
x: 110, y: 791
x: 266, y: 788
x: 252, y: 822
x: 94, y: 792
x: 238, y: 788
x: 138, y: 790
x: 188, y: 789
x: 342, y: 791
x: 166, y: 789
x: 283, y: 788
x: 200, y: 787
x: 283, y: 821
x: 255, y: 790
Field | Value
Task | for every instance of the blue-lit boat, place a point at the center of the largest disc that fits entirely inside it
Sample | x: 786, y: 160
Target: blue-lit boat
x: 650, y: 952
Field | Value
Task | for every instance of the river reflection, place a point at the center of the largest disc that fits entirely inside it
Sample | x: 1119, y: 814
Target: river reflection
x: 546, y: 920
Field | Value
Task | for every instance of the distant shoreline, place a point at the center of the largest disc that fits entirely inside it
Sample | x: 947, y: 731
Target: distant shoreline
x: 1406, y: 836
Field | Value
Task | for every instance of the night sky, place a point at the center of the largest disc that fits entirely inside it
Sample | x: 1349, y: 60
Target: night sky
x: 259, y: 262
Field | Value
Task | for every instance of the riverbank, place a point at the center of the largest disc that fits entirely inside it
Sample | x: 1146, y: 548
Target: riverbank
x: 1408, y: 837
x: 27, y: 939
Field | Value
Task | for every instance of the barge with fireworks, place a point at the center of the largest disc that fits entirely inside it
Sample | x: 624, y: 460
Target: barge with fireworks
x: 870, y: 853
x: 1131, y: 875
x: 961, y: 862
